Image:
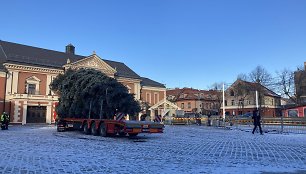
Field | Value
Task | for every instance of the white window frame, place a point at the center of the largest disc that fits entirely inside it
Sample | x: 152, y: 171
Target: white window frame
x: 35, y: 81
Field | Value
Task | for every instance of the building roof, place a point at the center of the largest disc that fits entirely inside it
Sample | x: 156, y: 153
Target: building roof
x: 122, y: 69
x: 29, y: 55
x: 148, y: 82
x: 191, y: 94
x: 252, y: 86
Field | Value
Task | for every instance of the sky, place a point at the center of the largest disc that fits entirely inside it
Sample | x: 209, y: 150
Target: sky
x: 180, y: 43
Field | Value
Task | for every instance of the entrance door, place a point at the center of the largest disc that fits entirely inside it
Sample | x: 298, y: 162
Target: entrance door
x: 304, y: 112
x: 36, y: 114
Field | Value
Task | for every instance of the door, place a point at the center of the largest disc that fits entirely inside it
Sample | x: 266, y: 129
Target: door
x: 304, y: 112
x: 36, y: 114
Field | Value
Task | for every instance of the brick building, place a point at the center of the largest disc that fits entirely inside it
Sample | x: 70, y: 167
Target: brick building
x: 26, y: 72
x: 300, y: 85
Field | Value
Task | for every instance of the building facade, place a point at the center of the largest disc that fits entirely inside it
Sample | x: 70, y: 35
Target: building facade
x: 195, y: 101
x: 240, y: 99
x: 300, y: 85
x: 26, y: 73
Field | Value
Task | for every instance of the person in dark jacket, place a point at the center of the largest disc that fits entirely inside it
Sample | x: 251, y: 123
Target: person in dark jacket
x: 256, y: 117
x: 5, y: 119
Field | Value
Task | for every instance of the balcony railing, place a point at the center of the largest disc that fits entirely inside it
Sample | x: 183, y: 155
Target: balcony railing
x: 34, y: 93
x: 37, y: 95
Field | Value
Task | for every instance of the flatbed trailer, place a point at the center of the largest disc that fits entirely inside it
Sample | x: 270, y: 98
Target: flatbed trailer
x: 105, y: 127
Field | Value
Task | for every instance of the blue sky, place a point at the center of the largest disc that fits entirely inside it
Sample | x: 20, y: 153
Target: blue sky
x: 181, y: 43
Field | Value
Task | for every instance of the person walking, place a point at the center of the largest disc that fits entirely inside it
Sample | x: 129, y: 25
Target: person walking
x: 4, y: 121
x: 256, y: 117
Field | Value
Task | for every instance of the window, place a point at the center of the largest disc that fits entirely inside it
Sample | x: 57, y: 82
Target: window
x: 232, y: 93
x: 189, y: 105
x: 233, y: 102
x: 32, y: 85
x: 182, y: 105
x: 292, y: 113
x: 225, y: 103
x: 240, y: 102
x: 31, y: 88
x: 182, y: 96
x: 156, y: 98
x: 149, y: 98
x: 272, y: 102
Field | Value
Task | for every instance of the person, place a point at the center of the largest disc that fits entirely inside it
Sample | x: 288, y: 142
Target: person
x: 208, y: 119
x: 256, y: 118
x: 4, y: 121
x: 198, y: 119
x: 143, y: 117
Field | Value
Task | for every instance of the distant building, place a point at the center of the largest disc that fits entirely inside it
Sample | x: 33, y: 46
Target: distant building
x: 300, y: 85
x: 240, y: 99
x: 195, y: 100
x: 26, y: 73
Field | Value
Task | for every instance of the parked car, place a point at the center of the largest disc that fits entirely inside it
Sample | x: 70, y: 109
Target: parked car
x: 248, y: 114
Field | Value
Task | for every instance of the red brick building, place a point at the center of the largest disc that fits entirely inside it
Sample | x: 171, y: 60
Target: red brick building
x: 26, y: 73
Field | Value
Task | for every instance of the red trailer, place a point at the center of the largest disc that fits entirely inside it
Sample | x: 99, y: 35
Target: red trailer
x: 105, y: 127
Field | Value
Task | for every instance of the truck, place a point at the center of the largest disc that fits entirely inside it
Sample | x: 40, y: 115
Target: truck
x: 95, y: 103
x: 107, y: 127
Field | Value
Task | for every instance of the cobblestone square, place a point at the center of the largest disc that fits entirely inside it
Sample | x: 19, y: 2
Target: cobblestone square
x: 181, y: 149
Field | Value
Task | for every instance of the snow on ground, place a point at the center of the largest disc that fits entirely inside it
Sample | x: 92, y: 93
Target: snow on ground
x: 181, y: 149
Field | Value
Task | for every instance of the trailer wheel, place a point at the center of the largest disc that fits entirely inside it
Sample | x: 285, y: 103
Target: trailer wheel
x: 85, y: 129
x: 93, y: 129
x: 102, y: 130
x: 133, y: 134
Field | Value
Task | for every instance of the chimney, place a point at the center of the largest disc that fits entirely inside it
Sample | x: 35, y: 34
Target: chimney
x: 70, y: 49
x: 305, y: 65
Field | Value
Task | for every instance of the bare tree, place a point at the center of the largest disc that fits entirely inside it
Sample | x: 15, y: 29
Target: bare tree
x: 262, y: 78
x: 285, y: 84
x: 261, y: 75
x: 218, y: 87
x: 242, y: 93
x: 242, y: 76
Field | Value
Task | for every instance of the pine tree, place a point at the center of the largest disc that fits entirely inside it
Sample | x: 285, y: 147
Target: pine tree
x: 87, y: 92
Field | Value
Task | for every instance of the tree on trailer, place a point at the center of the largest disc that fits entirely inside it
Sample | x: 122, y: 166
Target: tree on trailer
x: 89, y: 99
x: 90, y: 93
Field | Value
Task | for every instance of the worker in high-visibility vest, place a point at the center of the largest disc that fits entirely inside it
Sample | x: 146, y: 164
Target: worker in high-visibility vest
x: 5, y: 118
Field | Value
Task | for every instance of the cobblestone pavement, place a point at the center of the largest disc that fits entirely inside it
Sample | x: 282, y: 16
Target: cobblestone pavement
x: 181, y: 149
